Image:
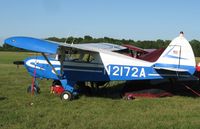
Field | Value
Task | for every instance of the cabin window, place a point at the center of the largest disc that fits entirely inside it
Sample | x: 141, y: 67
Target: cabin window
x: 78, y: 56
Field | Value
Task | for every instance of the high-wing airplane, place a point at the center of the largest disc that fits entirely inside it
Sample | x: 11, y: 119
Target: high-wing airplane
x: 68, y: 64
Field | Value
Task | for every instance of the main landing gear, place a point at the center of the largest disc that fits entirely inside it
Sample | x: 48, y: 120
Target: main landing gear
x: 59, y: 87
x: 34, y: 88
x: 64, y: 89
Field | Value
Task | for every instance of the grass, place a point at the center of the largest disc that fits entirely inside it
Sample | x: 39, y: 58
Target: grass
x: 19, y: 110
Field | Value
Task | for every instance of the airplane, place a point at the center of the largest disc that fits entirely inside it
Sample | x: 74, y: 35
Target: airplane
x: 150, y: 55
x: 69, y: 64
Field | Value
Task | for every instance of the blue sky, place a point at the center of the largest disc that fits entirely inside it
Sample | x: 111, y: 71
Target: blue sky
x: 128, y: 19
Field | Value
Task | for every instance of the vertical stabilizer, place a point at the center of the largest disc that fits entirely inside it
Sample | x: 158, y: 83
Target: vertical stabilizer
x: 178, y: 56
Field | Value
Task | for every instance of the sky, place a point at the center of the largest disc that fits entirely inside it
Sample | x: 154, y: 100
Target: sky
x: 121, y: 19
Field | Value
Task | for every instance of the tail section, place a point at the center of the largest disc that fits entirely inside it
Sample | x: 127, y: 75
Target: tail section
x: 178, y: 56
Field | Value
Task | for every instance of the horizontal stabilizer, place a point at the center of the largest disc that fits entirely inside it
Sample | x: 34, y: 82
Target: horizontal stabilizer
x: 171, y: 69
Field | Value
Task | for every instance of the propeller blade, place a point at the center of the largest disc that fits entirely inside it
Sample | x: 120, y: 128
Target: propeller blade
x: 18, y: 62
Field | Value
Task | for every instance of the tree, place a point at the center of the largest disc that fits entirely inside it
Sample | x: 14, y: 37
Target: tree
x: 88, y: 39
x: 196, y: 47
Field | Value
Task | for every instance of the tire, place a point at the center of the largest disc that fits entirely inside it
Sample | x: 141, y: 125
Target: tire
x: 36, y: 89
x: 66, y: 96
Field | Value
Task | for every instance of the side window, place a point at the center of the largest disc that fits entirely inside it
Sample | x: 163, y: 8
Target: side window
x: 78, y: 56
x: 87, y: 57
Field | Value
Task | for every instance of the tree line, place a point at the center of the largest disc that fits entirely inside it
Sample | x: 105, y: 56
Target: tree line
x: 146, y: 44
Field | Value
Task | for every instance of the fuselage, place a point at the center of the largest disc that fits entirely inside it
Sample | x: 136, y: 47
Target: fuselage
x: 75, y: 70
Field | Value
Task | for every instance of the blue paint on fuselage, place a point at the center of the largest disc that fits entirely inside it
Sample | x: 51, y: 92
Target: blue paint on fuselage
x: 126, y: 72
x: 87, y: 74
x: 190, y: 69
x: 73, y: 73
x: 42, y: 70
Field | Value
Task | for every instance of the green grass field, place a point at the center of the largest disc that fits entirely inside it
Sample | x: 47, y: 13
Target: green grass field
x: 49, y: 112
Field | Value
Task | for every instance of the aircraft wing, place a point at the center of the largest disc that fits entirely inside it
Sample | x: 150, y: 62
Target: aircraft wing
x: 137, y: 49
x: 104, y: 46
x: 32, y: 44
x: 44, y: 46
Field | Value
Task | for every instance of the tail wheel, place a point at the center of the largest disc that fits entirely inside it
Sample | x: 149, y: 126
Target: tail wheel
x: 66, y: 95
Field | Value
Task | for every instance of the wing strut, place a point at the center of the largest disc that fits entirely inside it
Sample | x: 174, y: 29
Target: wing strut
x: 51, y: 65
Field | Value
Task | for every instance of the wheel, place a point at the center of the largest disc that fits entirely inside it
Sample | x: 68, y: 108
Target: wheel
x: 36, y: 89
x: 66, y: 95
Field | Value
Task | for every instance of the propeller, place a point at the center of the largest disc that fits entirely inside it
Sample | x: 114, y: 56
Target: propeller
x: 18, y: 63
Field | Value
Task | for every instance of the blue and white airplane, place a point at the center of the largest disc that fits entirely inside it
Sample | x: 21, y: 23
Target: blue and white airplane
x: 68, y: 64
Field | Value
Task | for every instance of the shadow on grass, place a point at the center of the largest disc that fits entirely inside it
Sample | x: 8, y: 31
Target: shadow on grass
x: 112, y: 92
x: 3, y: 98
x: 186, y: 88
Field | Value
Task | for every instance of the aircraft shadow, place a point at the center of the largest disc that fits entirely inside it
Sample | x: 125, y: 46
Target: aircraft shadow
x: 184, y: 88
x: 112, y: 92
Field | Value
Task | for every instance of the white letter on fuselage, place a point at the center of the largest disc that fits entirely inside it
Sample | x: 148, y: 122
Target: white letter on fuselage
x: 108, y: 69
x: 142, y: 73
